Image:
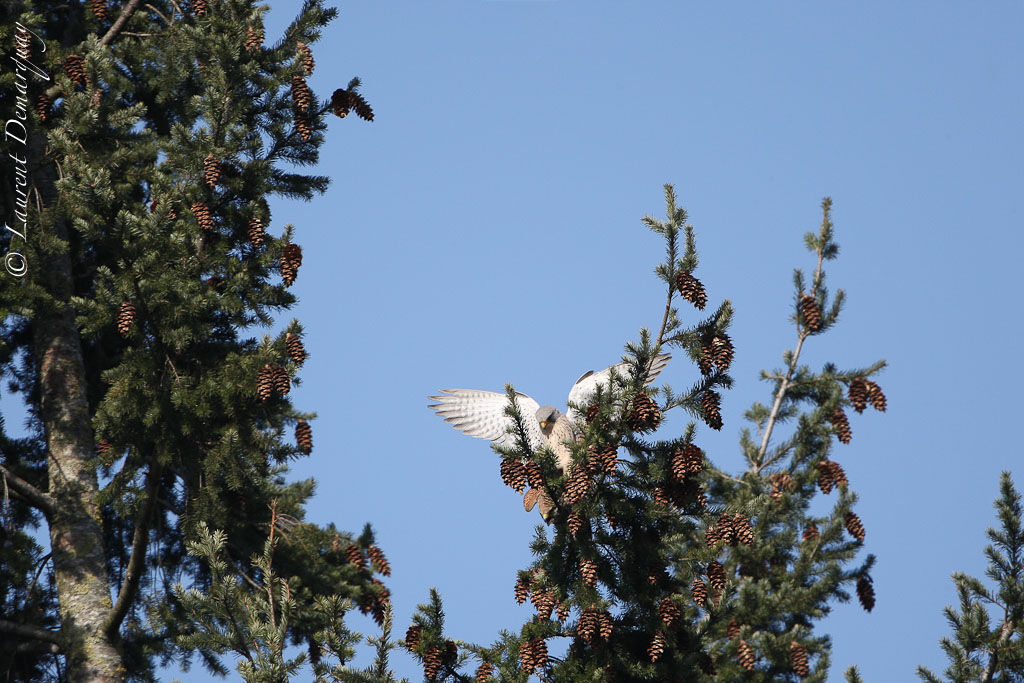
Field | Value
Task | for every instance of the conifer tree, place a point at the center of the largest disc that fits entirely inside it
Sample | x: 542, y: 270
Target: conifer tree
x: 661, y: 566
x: 987, y: 628
x: 140, y: 257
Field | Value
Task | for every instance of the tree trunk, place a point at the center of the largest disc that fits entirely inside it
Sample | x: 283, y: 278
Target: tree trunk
x: 76, y: 534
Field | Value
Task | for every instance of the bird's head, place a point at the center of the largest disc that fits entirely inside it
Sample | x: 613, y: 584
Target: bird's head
x: 547, y: 416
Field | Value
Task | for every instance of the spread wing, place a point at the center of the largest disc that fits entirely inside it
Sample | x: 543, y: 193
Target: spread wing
x: 482, y: 414
x: 583, y: 391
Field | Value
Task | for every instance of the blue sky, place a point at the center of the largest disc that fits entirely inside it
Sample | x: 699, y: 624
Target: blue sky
x: 485, y: 229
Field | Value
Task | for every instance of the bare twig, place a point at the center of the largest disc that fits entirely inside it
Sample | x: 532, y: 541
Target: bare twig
x: 29, y: 631
x: 39, y: 500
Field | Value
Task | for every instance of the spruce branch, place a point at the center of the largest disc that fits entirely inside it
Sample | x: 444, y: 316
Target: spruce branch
x: 36, y: 498
x: 30, y: 631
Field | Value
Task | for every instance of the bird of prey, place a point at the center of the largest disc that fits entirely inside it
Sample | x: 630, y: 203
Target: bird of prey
x: 482, y: 414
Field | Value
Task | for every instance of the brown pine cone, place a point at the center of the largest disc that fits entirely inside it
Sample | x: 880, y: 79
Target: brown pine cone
x: 380, y: 562
x: 526, y: 657
x: 412, y: 636
x: 361, y: 106
x: 303, y: 124
x: 810, y: 312
x: 281, y: 382
x: 716, y: 575
x: 257, y: 236
x: 657, y: 646
x: 302, y: 96
x: 713, y: 535
x: 605, y: 625
x: 826, y: 477
x: 704, y: 361
x: 354, y: 555
x: 304, y: 436
x: 253, y: 38
x: 841, y: 424
x: 578, y: 486
x: 305, y: 57
x: 644, y: 416
x: 810, y: 532
x: 296, y: 351
x: 543, y: 601
x: 711, y: 402
x: 746, y: 656
x: 837, y: 472
x: 858, y: 392
x: 483, y: 672
x: 521, y: 590
x: 43, y: 105
x: 660, y: 497
x: 539, y: 648
x: 291, y: 259
x: 562, y: 610
x: 265, y: 382
x: 604, y: 459
x: 781, y: 482
x: 742, y: 530
x: 875, y: 396
x: 588, y: 572
x: 866, y: 592
x: 513, y: 474
x: 692, y: 290
x: 798, y: 658
x: 451, y: 652
x: 725, y: 530
x: 732, y: 630
x: 533, y: 475
x: 575, y: 524
x: 74, y: 67
x: 199, y: 8
x: 203, y: 216
x: 668, y: 611
x: 700, y: 592
x: 103, y: 448
x: 432, y: 663
x: 211, y: 170
x: 854, y: 526
x: 586, y: 627
x: 722, y: 351
x: 341, y: 102
x: 125, y: 318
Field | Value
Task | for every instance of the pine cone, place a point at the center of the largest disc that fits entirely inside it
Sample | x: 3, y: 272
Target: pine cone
x: 103, y: 448
x: 692, y: 290
x: 125, y: 318
x: 605, y: 625
x: 588, y: 572
x: 199, y: 8
x: 302, y: 96
x: 304, y: 436
x: 43, y: 105
x: 841, y: 424
x: 826, y: 478
x: 341, y: 103
x: 578, y: 485
x: 451, y: 652
x: 432, y: 663
x: 96, y: 99
x: 265, y: 382
x: 74, y: 67
x: 836, y: 470
x: 660, y: 497
x: 412, y: 636
x: 291, y: 259
x: 745, y: 654
x: 543, y: 601
x: 281, y: 382
x: 798, y: 658
x: 380, y: 563
x: 354, y: 555
x: 303, y: 124
x: 563, y: 610
x: 539, y: 648
x: 668, y: 611
x: 711, y: 402
x: 202, y: 213
x: 866, y: 592
x: 603, y: 459
x: 854, y: 526
x: 361, y: 106
x: 809, y: 312
x: 253, y: 38
x: 858, y: 391
x: 98, y: 9
x: 725, y: 530
x: 296, y: 351
x: 513, y: 474
x: 305, y: 57
x: 575, y: 524
x: 810, y: 533
x: 722, y: 351
x: 257, y: 236
x: 211, y: 170
x: 781, y: 482
x: 533, y: 474
x: 876, y: 396
x: 700, y: 592
x: 742, y: 530
x: 521, y: 590
x: 657, y: 646
x: 586, y: 627
x: 704, y: 361
x: 712, y: 535
x: 732, y: 630
x: 526, y: 657
x: 645, y: 416
x: 716, y: 575
x: 483, y: 672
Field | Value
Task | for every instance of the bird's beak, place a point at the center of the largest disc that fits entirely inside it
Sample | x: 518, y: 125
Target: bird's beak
x: 543, y: 425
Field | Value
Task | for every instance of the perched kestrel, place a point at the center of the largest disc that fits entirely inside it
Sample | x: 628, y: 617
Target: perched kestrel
x: 481, y: 414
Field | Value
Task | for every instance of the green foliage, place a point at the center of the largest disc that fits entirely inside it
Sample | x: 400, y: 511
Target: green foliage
x: 980, y: 650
